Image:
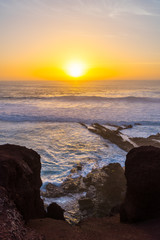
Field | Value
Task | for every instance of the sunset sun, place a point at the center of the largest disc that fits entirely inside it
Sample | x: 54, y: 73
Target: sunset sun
x: 75, y: 69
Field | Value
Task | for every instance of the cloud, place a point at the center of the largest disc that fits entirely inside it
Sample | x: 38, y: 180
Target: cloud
x: 99, y: 8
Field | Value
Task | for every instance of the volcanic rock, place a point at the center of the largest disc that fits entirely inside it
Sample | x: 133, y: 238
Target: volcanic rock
x: 123, y: 141
x: 11, y: 222
x: 20, y: 176
x: 55, y: 211
x: 85, y: 203
x: 142, y: 171
x: 114, y: 136
x: 106, y: 187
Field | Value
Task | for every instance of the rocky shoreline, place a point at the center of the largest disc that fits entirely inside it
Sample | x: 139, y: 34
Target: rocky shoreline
x: 85, y: 193
x: 109, y: 191
x: 103, y: 191
x: 123, y: 141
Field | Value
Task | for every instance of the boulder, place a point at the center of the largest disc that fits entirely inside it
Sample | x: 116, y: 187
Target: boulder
x: 142, y: 171
x: 55, y: 211
x: 11, y: 222
x: 106, y: 187
x: 85, y: 203
x: 20, y: 176
x: 104, y: 190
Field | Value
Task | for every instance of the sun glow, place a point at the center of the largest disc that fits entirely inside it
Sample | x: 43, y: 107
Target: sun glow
x: 75, y: 69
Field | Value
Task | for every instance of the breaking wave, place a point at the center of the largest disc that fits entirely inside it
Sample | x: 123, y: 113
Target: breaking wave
x: 87, y: 98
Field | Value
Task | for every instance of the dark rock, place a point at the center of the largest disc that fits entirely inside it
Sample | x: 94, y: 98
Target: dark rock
x: 121, y: 140
x: 76, y: 168
x: 128, y: 126
x: 123, y: 127
x: 105, y: 190
x: 85, y: 203
x: 79, y: 166
x: 106, y: 187
x: 11, y: 222
x: 20, y: 176
x: 73, y: 185
x: 153, y: 140
x: 52, y: 191
x: 83, y: 125
x: 55, y: 211
x: 113, y: 136
x: 142, y: 171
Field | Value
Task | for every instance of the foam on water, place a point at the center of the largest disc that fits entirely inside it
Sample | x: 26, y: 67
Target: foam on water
x: 61, y: 146
x: 44, y: 116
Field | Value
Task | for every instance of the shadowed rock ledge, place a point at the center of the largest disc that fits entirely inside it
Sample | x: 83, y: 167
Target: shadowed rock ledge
x: 12, y: 225
x: 20, y: 176
x: 20, y: 184
x: 142, y: 171
x: 20, y: 169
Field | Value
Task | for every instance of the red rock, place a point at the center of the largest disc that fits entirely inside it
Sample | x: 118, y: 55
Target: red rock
x: 142, y: 171
x: 11, y: 222
x: 20, y: 176
x: 108, y: 228
x: 55, y: 211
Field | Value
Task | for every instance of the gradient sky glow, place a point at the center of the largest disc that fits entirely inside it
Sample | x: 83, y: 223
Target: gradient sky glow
x: 116, y: 39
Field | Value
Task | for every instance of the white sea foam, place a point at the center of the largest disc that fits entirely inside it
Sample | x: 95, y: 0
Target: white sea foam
x: 127, y: 139
x: 45, y: 115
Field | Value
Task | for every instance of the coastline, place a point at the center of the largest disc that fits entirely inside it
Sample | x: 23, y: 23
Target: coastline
x: 24, y: 163
x: 74, y: 187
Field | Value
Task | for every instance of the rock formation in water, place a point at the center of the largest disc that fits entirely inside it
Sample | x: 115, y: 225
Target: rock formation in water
x: 20, y: 198
x: 104, y: 187
x: 142, y: 171
x: 123, y: 141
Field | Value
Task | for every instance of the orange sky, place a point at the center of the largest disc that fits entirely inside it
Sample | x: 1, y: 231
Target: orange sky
x: 114, y: 39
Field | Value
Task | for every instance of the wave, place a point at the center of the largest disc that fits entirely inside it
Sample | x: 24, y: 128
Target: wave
x: 86, y: 98
x: 53, y: 119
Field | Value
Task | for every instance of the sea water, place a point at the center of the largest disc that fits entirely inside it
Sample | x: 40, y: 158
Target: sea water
x: 46, y: 117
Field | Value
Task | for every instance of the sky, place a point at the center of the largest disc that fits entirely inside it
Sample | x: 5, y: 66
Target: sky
x: 114, y: 39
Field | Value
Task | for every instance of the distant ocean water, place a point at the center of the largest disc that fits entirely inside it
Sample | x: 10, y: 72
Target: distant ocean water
x: 45, y: 116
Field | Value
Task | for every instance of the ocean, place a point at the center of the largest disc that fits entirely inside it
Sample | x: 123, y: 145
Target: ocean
x: 46, y: 116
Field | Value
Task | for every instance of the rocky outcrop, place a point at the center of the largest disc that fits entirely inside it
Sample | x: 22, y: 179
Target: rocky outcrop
x: 104, y: 188
x: 11, y: 222
x: 55, y: 211
x: 153, y: 140
x: 114, y: 136
x: 123, y: 141
x: 20, y: 176
x: 142, y: 171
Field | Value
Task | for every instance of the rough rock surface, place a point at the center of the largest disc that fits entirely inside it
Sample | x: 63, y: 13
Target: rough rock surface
x: 108, y: 228
x: 11, y: 222
x: 20, y: 176
x: 55, y: 211
x: 123, y: 141
x: 153, y: 140
x: 105, y: 190
x: 114, y: 136
x: 142, y: 171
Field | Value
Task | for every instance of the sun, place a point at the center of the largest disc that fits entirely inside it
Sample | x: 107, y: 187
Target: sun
x: 75, y: 69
